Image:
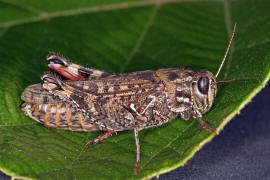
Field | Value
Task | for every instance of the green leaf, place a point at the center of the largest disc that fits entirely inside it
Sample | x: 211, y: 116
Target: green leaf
x: 123, y: 36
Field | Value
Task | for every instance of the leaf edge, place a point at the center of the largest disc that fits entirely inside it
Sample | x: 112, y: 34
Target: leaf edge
x: 225, y: 121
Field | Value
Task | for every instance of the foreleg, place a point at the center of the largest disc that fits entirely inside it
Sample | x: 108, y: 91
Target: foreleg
x: 66, y: 93
x: 203, y: 124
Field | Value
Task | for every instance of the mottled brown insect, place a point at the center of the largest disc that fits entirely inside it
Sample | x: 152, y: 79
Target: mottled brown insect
x: 94, y: 100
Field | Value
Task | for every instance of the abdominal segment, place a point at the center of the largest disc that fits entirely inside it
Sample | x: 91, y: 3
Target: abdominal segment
x: 59, y: 115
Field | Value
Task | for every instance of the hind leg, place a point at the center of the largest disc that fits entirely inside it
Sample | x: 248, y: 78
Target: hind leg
x: 65, y: 93
x: 99, y: 138
x: 72, y: 71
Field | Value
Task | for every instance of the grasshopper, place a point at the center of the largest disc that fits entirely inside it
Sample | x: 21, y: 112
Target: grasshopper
x: 92, y: 99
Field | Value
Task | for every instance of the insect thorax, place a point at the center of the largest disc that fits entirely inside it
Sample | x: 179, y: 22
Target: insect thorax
x: 188, y: 91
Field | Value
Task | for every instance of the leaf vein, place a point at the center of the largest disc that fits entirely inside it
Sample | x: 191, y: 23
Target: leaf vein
x: 141, y: 38
x: 229, y: 30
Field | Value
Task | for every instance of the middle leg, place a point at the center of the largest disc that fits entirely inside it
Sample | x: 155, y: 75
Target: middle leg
x: 138, y: 152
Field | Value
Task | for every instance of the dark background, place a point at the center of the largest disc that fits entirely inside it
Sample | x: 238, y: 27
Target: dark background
x: 241, y: 151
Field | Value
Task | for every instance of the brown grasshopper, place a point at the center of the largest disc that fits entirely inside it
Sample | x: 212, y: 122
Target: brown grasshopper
x: 94, y: 100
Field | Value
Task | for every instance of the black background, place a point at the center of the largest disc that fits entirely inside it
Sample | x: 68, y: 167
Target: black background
x: 240, y: 151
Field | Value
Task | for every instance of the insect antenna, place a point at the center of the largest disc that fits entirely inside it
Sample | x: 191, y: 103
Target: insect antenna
x: 226, y: 81
x: 227, y: 50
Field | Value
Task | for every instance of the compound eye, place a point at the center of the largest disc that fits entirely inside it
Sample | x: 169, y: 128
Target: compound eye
x: 203, y: 84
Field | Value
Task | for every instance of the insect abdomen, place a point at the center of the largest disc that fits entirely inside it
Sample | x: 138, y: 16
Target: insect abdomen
x: 58, y: 115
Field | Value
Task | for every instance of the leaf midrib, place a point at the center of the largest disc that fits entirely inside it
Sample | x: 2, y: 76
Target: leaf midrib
x: 94, y: 9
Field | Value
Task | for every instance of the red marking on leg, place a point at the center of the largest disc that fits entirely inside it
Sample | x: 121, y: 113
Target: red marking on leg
x: 63, y: 71
x: 135, y: 166
x: 99, y: 138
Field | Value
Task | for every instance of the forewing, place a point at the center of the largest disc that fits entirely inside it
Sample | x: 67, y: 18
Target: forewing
x: 102, y: 102
x: 106, y: 101
x: 117, y: 84
x: 37, y: 95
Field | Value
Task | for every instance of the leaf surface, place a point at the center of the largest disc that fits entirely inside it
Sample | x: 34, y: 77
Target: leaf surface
x: 123, y: 36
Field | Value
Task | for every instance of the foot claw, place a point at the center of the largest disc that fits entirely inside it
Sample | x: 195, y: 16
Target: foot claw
x: 135, y: 167
x: 87, y: 143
